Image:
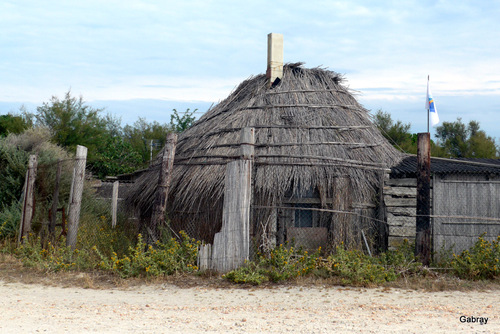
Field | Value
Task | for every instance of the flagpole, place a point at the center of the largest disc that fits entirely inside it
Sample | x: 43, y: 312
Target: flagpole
x: 428, y: 109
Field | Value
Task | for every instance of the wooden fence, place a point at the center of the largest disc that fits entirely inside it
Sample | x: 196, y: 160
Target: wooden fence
x: 465, y: 207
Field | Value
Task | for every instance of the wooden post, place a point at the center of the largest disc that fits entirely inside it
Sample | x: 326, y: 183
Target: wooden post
x: 381, y: 216
x: 28, y: 198
x: 232, y: 244
x: 204, y: 260
x: 342, y: 229
x: 114, y: 203
x: 423, y: 227
x: 55, y: 201
x: 160, y: 203
x: 75, y: 200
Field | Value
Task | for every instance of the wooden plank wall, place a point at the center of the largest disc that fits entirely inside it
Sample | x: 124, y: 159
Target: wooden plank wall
x: 465, y: 195
x: 400, y: 197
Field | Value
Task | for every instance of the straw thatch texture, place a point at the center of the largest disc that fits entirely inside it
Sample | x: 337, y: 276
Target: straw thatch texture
x: 309, y: 133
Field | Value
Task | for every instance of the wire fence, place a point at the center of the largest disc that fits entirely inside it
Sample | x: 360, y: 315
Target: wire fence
x: 463, y: 208
x: 45, y: 210
x: 65, y: 199
x: 311, y: 227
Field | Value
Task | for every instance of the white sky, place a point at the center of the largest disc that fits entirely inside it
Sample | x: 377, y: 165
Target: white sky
x: 196, y: 52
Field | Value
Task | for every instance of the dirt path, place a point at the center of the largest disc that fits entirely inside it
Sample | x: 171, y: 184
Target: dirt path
x: 170, y: 309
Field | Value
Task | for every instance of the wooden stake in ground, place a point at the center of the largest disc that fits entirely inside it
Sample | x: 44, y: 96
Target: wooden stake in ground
x: 160, y: 204
x: 28, y: 198
x: 75, y: 200
x: 423, y: 226
x: 114, y: 203
x: 232, y: 244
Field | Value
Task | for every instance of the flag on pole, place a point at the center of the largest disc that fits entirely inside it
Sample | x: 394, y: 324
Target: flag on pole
x: 431, y: 106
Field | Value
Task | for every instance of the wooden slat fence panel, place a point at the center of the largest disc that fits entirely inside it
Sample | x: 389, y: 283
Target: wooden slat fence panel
x: 467, y: 196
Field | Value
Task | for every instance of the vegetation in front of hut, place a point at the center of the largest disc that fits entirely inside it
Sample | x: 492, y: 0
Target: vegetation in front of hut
x: 285, y: 263
x: 352, y: 267
x: 163, y: 258
x: 481, y: 261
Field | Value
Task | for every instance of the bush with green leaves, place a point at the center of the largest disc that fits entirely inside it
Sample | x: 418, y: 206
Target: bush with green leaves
x: 353, y: 267
x: 481, y: 261
x: 402, y: 259
x: 53, y: 257
x: 250, y: 273
x: 9, y: 220
x: 15, y: 150
x: 282, y: 263
x: 357, y: 268
x: 162, y: 258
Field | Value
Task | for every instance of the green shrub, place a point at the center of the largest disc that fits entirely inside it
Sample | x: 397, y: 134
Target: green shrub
x: 248, y: 274
x: 402, y: 260
x: 282, y: 263
x: 285, y: 262
x: 355, y: 267
x: 53, y: 257
x: 481, y: 261
x: 15, y: 150
x: 161, y: 259
x: 10, y: 217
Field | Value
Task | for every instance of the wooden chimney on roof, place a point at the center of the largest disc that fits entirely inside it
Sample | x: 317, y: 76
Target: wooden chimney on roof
x: 274, y: 57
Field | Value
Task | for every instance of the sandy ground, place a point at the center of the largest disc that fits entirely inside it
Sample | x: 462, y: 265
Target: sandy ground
x: 170, y: 309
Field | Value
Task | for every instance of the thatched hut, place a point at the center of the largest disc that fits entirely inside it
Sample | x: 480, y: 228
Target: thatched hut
x: 317, y: 166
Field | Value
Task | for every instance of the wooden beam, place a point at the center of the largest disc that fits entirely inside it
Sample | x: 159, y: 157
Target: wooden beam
x: 75, y: 200
x: 160, y: 203
x: 28, y: 198
x: 114, y: 203
x: 423, y: 227
x: 247, y: 143
x: 232, y: 244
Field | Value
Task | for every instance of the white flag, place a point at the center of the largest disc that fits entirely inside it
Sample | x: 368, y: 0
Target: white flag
x: 431, y: 106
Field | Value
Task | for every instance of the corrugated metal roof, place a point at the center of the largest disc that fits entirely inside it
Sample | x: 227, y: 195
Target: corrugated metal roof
x: 408, y: 166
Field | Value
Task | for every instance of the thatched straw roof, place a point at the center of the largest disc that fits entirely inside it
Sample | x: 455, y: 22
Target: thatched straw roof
x: 309, y: 131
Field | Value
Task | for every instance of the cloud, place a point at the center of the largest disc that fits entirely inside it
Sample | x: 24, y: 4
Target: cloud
x: 201, y: 50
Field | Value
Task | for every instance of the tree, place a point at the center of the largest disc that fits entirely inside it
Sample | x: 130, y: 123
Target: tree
x: 397, y: 133
x: 140, y: 135
x: 72, y: 122
x: 181, y: 123
x: 458, y: 140
x: 14, y: 124
x: 114, y: 158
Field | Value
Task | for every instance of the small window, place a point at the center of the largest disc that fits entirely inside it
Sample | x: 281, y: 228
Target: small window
x: 305, y: 218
